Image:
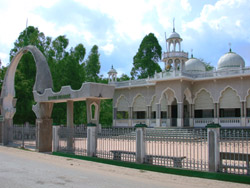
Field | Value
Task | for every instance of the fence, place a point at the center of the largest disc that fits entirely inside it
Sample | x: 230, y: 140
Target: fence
x: 185, y: 148
x: 24, y: 136
x: 235, y: 151
x: 71, y: 140
x: 211, y: 149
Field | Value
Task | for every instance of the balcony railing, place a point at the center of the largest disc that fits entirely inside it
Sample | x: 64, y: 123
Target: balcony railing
x: 175, y: 54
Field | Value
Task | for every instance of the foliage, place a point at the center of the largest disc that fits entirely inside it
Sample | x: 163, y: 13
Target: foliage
x: 93, y: 65
x: 124, y: 77
x: 208, y: 65
x: 147, y: 58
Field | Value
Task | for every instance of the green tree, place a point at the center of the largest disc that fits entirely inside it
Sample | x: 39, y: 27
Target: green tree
x: 124, y: 77
x: 147, y: 58
x: 208, y: 65
x: 93, y: 65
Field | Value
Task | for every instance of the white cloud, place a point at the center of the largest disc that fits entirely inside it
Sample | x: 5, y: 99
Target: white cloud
x: 186, y: 5
x: 227, y: 16
x: 108, y: 49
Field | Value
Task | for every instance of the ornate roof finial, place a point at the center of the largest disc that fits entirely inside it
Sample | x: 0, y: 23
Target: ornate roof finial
x: 112, y: 67
x: 192, y: 53
x: 173, y: 25
x: 230, y: 50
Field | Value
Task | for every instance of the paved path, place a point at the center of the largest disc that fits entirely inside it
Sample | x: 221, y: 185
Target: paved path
x: 25, y: 169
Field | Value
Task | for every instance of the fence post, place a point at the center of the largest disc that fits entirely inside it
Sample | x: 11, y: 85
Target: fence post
x: 213, y: 136
x: 55, y: 139
x: 140, y: 143
x: 91, y: 139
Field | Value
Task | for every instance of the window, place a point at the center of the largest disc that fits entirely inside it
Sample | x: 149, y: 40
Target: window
x: 153, y: 115
x: 203, y: 113
x: 139, y: 115
x: 163, y: 114
x: 230, y: 112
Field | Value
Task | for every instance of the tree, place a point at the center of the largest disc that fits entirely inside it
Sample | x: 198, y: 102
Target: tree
x: 93, y: 65
x: 124, y: 77
x: 208, y: 65
x: 147, y: 58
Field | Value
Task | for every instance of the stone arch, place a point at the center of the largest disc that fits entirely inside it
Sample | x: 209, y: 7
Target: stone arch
x: 96, y: 109
x: 123, y: 99
x: 170, y: 94
x: 188, y: 95
x: 43, y: 79
x: 42, y: 110
x: 153, y: 103
x: 135, y: 100
x: 232, y: 95
x: 227, y: 87
x: 207, y: 101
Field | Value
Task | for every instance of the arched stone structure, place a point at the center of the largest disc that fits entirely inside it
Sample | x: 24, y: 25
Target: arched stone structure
x: 42, y: 110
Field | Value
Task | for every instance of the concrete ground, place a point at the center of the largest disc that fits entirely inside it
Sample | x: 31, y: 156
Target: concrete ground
x: 26, y: 169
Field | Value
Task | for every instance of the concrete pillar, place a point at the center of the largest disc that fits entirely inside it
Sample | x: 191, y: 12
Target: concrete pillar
x: 213, y: 135
x: 89, y: 103
x: 55, y: 138
x: 149, y: 108
x: 169, y: 116
x: 180, y: 114
x: 191, y: 115
x: 242, y: 113
x: 91, y: 140
x: 44, y: 135
x: 70, y: 114
x: 7, y: 133
x: 158, y: 115
x: 216, y: 112
x: 140, y: 143
x: 70, y: 125
x: 130, y: 116
x: 114, y: 116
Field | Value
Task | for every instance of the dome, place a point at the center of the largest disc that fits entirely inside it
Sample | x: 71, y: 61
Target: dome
x: 194, y: 65
x: 174, y: 35
x: 112, y: 71
x: 230, y: 60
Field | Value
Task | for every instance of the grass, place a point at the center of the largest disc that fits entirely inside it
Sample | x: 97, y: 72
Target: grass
x: 161, y: 169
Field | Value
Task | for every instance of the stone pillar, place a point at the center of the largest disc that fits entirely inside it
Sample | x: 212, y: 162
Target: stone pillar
x: 158, y: 115
x: 140, y: 143
x: 216, y: 112
x: 191, y: 115
x: 130, y: 116
x: 114, y: 116
x: 91, y: 139
x: 44, y: 135
x: 169, y: 114
x: 180, y: 114
x: 242, y: 113
x: 43, y: 126
x: 89, y: 103
x: 213, y: 135
x: 70, y: 125
x: 55, y: 145
x: 148, y: 115
x: 7, y: 133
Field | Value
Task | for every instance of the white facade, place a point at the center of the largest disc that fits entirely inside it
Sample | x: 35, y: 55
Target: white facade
x: 185, y: 94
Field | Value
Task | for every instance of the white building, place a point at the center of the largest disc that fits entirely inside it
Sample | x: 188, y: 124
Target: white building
x: 185, y: 94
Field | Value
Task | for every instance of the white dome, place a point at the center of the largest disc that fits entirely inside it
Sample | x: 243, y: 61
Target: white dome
x: 230, y: 60
x: 174, y: 35
x: 112, y: 70
x: 194, y: 65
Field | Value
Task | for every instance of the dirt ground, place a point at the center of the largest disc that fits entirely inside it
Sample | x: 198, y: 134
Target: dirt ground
x: 19, y: 168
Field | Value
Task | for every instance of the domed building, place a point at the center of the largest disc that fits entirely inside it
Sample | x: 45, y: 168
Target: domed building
x: 185, y: 94
x: 230, y: 60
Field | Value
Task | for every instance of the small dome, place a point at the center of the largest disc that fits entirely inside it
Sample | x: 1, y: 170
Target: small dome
x: 174, y: 35
x: 230, y: 60
x: 112, y: 71
x: 194, y: 65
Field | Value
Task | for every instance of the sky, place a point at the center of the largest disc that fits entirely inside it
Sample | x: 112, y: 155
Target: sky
x: 117, y: 27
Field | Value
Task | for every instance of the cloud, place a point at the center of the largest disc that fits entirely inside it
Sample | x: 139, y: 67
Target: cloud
x: 108, y: 49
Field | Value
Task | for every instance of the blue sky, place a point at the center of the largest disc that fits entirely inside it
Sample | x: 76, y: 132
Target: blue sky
x: 118, y: 27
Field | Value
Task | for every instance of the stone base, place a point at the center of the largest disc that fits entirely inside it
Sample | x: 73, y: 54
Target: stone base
x: 179, y: 122
x: 44, y: 135
x: 1, y: 125
x: 7, y: 133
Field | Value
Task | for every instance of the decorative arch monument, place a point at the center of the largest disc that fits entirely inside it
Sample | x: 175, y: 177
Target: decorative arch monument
x: 8, y: 102
x: 45, y: 98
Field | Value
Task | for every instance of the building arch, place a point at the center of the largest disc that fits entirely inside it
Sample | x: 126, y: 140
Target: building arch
x: 121, y: 102
x: 203, y: 99
x: 188, y: 95
x: 139, y: 103
x: 171, y: 96
x: 229, y: 98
